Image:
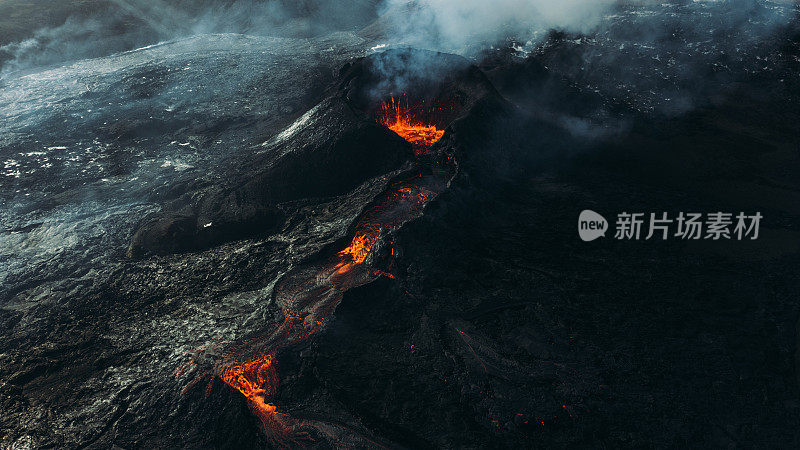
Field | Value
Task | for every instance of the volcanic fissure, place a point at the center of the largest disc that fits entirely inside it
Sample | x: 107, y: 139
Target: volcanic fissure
x: 308, y: 295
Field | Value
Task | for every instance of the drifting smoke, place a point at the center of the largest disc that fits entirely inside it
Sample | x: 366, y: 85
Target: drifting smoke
x: 670, y: 57
x: 123, y: 25
x: 75, y: 39
x: 677, y: 44
x: 467, y: 26
x: 651, y: 53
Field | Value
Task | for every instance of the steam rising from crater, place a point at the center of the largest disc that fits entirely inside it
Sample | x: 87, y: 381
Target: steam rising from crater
x: 465, y: 26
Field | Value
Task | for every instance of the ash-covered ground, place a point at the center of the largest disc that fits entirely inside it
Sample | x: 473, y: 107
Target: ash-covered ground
x: 156, y: 200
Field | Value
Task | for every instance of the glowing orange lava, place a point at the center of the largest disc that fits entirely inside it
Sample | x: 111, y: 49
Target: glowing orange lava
x: 254, y: 378
x: 308, y: 296
x: 359, y: 248
x: 400, y: 119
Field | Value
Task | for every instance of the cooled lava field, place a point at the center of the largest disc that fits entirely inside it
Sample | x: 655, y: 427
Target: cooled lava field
x: 355, y: 224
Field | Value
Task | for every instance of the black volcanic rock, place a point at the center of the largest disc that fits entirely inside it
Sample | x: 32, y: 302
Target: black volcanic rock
x: 327, y: 152
x: 164, y: 233
x: 797, y: 353
x: 498, y: 328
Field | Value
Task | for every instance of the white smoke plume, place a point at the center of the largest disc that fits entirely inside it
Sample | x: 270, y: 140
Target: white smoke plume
x: 120, y: 25
x: 465, y: 26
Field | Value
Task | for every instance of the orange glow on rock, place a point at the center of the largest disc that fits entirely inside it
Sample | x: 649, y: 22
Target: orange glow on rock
x: 401, y: 119
x: 308, y: 297
x: 255, y: 378
x: 359, y: 248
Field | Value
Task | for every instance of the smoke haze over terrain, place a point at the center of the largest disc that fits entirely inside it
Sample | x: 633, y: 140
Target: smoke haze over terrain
x: 119, y: 25
x: 672, y: 37
x: 464, y: 25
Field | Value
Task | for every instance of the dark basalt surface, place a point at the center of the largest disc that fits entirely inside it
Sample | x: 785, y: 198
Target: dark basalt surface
x: 326, y: 153
x: 504, y: 329
x: 500, y: 329
x: 330, y: 150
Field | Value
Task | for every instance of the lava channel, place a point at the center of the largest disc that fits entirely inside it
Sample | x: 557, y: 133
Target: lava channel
x: 308, y: 295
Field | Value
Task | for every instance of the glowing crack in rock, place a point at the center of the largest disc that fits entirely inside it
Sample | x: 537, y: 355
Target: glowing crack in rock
x: 308, y: 295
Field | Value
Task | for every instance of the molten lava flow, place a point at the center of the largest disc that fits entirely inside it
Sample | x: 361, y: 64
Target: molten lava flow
x: 308, y: 295
x: 401, y: 119
x: 359, y: 248
x: 254, y: 378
